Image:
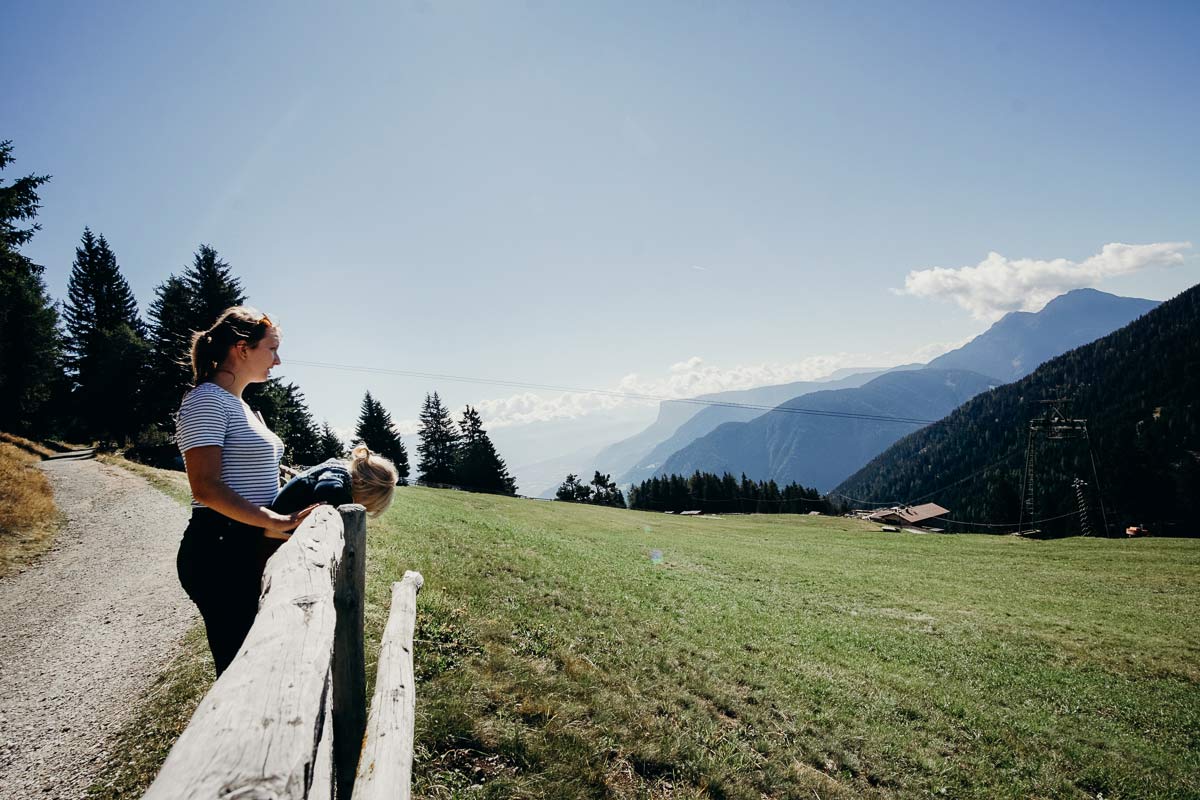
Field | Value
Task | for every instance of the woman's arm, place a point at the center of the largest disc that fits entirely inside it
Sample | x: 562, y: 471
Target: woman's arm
x: 204, y: 476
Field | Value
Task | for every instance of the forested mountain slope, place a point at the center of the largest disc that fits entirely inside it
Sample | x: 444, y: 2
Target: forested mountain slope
x: 1138, y: 389
x: 821, y: 451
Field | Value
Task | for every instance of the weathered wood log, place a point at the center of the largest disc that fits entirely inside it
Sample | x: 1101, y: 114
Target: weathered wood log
x: 385, y: 768
x: 324, y: 781
x: 349, y: 658
x: 258, y: 730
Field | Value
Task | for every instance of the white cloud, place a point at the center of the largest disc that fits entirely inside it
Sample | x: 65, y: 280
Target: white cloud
x: 684, y: 379
x: 997, y: 285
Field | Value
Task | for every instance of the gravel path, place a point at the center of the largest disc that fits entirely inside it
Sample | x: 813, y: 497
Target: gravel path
x: 86, y: 628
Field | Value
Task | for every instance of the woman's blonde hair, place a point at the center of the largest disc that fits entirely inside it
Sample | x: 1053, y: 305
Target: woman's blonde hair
x: 210, y: 347
x: 372, y: 480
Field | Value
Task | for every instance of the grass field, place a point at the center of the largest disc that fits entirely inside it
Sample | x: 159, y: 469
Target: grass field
x: 786, y: 656
x: 768, y: 656
x: 28, y: 516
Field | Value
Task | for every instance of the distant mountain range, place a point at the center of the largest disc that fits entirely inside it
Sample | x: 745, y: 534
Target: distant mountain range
x: 707, y: 418
x: 1138, y: 389
x: 785, y: 445
x: 685, y: 439
x: 1021, y: 341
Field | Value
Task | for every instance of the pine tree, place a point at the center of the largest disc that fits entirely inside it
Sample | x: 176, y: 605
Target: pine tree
x: 29, y: 338
x: 572, y: 490
x: 212, y: 287
x: 286, y: 413
x: 439, y: 442
x: 604, y: 491
x: 477, y: 466
x: 377, y: 431
x: 168, y: 374
x: 105, y: 346
x: 330, y: 445
x: 182, y: 305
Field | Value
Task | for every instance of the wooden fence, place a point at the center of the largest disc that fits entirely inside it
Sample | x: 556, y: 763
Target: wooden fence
x: 288, y: 718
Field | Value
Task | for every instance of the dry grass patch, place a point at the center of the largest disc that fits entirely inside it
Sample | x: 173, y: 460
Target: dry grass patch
x: 28, y: 445
x: 28, y: 518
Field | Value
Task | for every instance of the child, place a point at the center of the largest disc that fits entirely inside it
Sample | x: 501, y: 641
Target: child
x: 368, y: 479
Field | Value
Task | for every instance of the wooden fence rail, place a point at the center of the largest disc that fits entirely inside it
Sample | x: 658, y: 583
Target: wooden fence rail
x: 287, y: 718
x: 385, y: 768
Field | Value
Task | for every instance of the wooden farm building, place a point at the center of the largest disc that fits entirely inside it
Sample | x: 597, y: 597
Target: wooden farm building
x: 909, y: 515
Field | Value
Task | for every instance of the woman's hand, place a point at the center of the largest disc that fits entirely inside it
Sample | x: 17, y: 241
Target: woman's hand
x: 280, y: 526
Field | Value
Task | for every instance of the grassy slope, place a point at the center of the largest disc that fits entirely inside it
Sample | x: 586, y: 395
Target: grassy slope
x: 767, y: 656
x: 28, y: 516
x: 780, y: 656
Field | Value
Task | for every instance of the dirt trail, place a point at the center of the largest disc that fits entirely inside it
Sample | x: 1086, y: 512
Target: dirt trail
x: 86, y: 628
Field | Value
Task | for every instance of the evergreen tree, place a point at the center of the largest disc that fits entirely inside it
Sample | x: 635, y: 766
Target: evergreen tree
x: 377, y: 431
x: 605, y: 492
x: 439, y: 442
x: 284, y: 410
x: 168, y: 373
x: 211, y: 286
x: 572, y: 490
x: 182, y: 305
x: 29, y: 338
x: 105, y: 346
x: 707, y: 492
x: 330, y: 445
x: 478, y: 467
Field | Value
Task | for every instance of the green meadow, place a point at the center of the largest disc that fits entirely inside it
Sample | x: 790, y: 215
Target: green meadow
x: 766, y: 656
x: 787, y: 656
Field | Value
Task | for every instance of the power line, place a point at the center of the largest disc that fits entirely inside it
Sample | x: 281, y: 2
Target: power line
x: 1011, y: 524
x: 610, y: 393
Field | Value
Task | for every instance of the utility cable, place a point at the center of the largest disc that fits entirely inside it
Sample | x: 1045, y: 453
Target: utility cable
x: 1011, y: 524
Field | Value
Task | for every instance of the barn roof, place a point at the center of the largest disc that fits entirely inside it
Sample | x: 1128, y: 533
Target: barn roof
x: 913, y: 515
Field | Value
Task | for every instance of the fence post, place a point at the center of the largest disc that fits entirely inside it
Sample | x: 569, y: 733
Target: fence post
x: 349, y: 659
x: 385, y: 768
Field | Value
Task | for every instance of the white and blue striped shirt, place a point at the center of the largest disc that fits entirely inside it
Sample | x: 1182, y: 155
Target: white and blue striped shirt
x: 250, y: 451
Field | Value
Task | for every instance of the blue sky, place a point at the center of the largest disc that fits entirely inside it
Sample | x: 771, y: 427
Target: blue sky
x: 573, y: 193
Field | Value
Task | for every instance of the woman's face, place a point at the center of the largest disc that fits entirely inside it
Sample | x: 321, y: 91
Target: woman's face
x: 262, y: 356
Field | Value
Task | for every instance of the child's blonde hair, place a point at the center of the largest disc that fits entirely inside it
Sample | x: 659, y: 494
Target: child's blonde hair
x: 372, y: 480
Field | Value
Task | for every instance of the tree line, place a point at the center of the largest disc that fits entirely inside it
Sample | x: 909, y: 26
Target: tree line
x: 602, y: 491
x: 93, y: 370
x: 710, y: 493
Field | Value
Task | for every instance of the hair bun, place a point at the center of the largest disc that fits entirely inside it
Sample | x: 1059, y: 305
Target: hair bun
x: 360, y: 452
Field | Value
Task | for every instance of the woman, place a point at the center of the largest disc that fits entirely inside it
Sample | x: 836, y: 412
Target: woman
x: 232, y: 461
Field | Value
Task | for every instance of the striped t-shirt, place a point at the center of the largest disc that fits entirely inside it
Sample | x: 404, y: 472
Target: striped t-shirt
x: 250, y: 452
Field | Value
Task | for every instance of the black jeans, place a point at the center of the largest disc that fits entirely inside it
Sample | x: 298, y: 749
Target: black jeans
x: 220, y: 565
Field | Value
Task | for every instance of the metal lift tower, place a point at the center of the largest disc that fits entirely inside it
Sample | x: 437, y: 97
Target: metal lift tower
x: 1056, y: 425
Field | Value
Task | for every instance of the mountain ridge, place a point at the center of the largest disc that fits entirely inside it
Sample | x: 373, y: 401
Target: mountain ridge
x: 1138, y: 389
x: 821, y: 451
